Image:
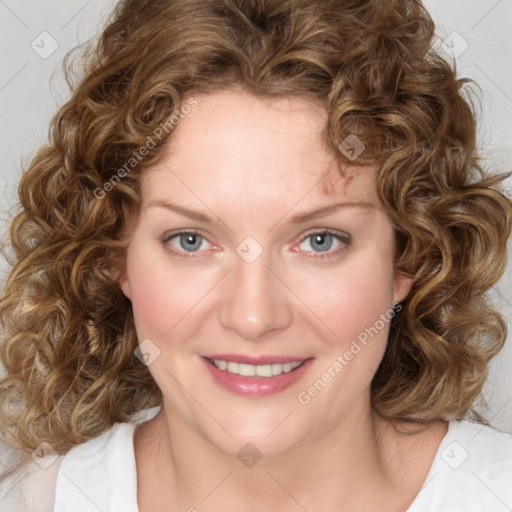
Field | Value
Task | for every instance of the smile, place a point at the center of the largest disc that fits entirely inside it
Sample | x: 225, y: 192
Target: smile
x: 249, y: 370
x: 256, y: 380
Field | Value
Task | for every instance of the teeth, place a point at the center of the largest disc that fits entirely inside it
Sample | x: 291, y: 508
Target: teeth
x: 249, y: 370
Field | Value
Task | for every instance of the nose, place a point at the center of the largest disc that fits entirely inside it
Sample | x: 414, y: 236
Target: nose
x: 255, y: 302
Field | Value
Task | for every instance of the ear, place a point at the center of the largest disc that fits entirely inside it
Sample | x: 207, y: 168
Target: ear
x: 124, y: 283
x: 401, y: 286
x: 118, y: 273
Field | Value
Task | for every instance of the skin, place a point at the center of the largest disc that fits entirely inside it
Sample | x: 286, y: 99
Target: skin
x: 251, y: 164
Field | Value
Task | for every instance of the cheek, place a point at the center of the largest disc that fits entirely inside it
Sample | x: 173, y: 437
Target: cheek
x: 161, y: 298
x: 350, y: 301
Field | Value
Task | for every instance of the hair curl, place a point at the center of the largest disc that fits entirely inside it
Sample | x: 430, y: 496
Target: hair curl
x: 68, y: 330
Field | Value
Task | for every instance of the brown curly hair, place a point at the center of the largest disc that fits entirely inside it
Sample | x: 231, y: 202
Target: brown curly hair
x: 68, y: 330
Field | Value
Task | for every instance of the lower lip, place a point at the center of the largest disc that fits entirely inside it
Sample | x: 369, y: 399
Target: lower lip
x: 257, y: 386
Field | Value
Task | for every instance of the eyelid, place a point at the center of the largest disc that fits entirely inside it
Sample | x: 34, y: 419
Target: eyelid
x: 341, y: 234
x: 169, y: 235
x: 344, y: 237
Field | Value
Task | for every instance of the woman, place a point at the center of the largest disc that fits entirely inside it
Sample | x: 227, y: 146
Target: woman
x: 250, y: 271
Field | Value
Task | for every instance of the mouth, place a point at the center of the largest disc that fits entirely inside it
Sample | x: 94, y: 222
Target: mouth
x: 251, y: 370
x: 256, y: 377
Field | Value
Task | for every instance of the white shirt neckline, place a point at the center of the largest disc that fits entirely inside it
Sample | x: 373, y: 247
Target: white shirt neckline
x: 115, y: 468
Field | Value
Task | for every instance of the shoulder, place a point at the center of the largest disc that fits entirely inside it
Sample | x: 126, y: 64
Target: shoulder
x: 472, y: 471
x: 101, y: 471
x: 90, y: 472
x: 31, y: 488
x: 482, y: 438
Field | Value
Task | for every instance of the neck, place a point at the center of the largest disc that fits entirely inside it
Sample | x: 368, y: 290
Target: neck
x: 362, y: 452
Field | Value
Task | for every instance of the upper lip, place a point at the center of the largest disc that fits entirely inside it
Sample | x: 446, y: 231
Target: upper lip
x: 254, y: 360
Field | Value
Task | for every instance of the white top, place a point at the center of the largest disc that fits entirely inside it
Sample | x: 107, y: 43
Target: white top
x: 471, y: 472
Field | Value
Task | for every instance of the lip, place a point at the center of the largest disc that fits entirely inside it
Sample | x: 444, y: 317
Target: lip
x: 256, y: 387
x: 255, y: 360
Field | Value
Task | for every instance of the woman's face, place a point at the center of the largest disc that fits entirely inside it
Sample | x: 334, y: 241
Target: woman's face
x: 280, y: 260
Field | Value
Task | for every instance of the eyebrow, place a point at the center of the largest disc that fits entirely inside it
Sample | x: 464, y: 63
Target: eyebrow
x: 181, y: 210
x: 325, y: 210
x: 296, y: 219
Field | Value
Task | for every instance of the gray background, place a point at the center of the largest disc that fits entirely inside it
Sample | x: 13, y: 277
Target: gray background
x: 35, y: 36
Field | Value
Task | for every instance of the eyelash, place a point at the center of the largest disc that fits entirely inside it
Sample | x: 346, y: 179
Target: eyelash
x: 344, y: 238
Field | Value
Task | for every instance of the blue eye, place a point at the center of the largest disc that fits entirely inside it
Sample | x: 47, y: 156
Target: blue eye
x: 321, y: 243
x: 188, y: 241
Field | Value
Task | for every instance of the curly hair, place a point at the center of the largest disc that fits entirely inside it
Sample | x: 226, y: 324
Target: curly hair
x: 68, y: 330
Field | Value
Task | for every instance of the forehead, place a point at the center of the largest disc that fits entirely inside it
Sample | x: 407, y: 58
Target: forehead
x: 236, y: 145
